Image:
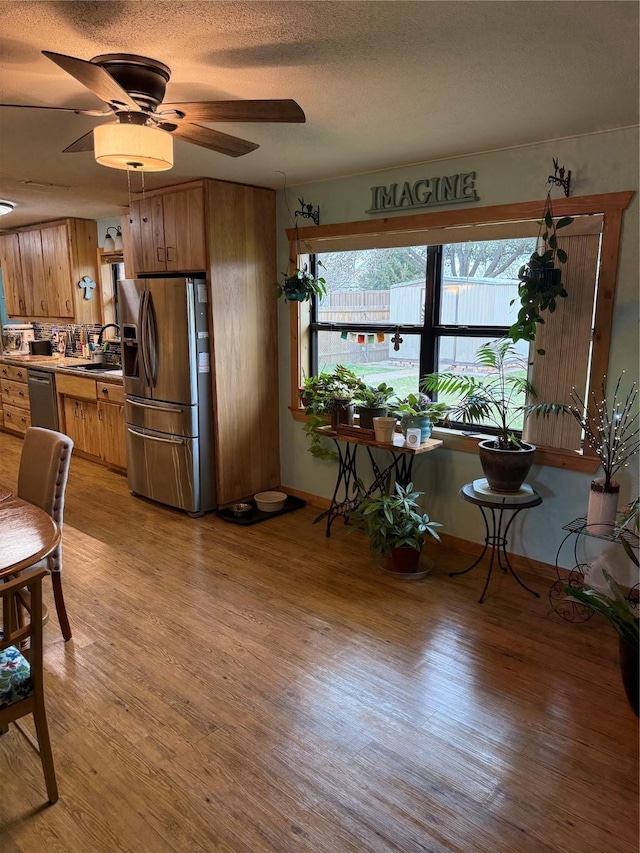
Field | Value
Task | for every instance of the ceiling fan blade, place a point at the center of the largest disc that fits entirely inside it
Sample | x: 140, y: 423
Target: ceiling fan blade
x: 95, y: 78
x: 275, y: 110
x: 85, y: 143
x: 99, y: 113
x: 232, y: 146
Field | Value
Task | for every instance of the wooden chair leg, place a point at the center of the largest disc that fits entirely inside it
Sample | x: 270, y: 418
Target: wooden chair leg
x: 61, y: 610
x: 46, y: 756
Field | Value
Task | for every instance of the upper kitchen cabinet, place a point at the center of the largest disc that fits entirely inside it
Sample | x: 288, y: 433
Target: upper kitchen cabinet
x: 43, y: 269
x: 166, y: 231
x: 12, y: 275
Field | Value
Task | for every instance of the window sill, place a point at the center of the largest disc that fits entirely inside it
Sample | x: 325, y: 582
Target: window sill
x: 570, y: 460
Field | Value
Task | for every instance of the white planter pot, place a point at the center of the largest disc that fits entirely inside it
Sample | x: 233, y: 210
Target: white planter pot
x: 602, y: 509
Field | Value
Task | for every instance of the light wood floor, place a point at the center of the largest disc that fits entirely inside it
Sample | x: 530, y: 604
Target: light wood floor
x: 265, y: 689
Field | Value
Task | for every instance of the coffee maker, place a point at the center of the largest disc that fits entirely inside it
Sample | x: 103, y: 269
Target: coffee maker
x: 16, y: 338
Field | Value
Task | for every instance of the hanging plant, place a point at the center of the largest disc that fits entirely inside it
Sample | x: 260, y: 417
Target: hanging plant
x: 301, y: 286
x: 540, y: 278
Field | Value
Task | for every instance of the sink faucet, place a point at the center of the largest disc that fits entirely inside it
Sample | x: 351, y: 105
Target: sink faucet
x: 108, y: 326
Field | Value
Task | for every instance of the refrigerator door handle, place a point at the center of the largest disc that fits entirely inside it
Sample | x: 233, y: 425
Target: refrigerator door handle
x: 143, y: 337
x: 173, y: 409
x: 152, y: 340
x: 147, y: 437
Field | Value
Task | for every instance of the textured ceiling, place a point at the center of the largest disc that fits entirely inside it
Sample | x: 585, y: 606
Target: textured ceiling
x: 382, y: 84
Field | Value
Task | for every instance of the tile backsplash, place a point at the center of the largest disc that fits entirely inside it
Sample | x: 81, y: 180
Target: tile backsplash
x: 74, y: 333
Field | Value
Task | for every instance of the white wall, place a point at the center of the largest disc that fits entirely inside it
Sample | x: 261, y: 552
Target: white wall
x: 599, y: 163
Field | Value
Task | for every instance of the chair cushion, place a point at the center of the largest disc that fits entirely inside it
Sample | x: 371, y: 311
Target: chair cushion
x: 15, y: 677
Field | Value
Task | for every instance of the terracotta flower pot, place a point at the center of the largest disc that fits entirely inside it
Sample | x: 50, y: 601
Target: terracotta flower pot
x: 403, y: 560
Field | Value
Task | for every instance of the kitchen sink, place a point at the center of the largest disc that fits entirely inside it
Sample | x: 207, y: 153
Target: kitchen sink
x: 103, y: 368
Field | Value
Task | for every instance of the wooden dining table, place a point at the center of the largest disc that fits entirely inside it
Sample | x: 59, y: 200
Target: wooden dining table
x: 27, y: 533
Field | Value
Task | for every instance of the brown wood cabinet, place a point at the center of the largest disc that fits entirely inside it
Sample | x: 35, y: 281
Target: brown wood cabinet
x: 14, y: 398
x: 12, y: 275
x: 166, y: 232
x: 92, y: 414
x: 229, y: 231
x: 42, y: 268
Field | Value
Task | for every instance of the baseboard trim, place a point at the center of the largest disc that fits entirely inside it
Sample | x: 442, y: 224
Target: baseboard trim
x: 465, y: 546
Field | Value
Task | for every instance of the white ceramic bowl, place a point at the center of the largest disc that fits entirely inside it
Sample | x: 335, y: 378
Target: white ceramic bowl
x: 270, y: 501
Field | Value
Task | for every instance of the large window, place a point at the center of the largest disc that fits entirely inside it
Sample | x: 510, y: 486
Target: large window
x: 394, y: 314
x: 443, y: 281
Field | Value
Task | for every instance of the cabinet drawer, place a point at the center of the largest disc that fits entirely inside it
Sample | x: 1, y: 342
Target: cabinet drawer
x: 111, y: 393
x: 18, y: 420
x: 16, y: 374
x: 15, y: 393
x: 76, y: 386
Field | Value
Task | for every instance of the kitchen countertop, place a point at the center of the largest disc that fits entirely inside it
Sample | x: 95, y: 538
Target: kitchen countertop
x: 61, y: 364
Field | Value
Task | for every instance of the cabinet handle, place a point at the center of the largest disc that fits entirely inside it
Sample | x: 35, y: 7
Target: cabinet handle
x: 23, y: 420
x: 20, y: 304
x: 21, y: 393
x: 82, y: 413
x: 169, y: 250
x: 68, y: 304
x: 42, y: 304
x: 158, y: 251
x: 144, y: 219
x: 19, y: 373
x: 99, y: 414
x: 7, y: 414
x: 75, y: 411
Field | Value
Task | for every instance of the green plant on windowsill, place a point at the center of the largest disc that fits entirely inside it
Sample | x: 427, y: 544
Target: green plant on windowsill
x: 301, y: 286
x: 420, y: 406
x: 371, y: 397
x: 317, y: 396
x: 540, y: 279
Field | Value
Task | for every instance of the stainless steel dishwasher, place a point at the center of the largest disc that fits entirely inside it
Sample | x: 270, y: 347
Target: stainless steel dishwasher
x: 42, y: 396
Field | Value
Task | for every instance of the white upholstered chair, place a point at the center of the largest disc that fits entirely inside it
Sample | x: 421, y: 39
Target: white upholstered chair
x: 42, y: 480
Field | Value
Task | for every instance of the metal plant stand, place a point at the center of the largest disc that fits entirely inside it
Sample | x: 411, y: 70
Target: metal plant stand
x: 502, y: 513
x: 570, y: 609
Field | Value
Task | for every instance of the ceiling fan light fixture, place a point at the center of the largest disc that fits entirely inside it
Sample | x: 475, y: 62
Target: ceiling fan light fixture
x: 133, y: 146
x: 6, y: 207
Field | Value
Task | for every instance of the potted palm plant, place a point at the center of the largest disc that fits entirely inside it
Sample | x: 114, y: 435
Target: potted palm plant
x: 540, y: 278
x: 418, y: 411
x: 372, y: 403
x: 396, y: 525
x: 491, y: 397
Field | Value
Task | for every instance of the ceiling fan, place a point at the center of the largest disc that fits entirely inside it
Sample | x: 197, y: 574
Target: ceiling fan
x: 133, y: 88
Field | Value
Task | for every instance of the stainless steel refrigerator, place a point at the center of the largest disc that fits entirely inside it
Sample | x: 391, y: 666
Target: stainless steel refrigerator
x: 168, y: 397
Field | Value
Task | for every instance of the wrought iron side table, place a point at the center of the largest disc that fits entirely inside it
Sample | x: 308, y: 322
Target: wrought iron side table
x: 570, y: 609
x: 346, y: 497
x: 496, y: 538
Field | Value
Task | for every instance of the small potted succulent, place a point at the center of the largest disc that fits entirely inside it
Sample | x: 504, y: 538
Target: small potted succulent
x: 301, y: 286
x: 540, y: 279
x: 418, y: 411
x: 372, y: 403
x: 395, y: 524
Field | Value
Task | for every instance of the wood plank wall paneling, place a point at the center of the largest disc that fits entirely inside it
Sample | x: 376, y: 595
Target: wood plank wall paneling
x: 567, y: 344
x: 265, y: 689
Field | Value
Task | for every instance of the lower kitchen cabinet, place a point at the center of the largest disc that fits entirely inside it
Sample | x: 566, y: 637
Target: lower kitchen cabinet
x: 14, y: 399
x: 113, y: 449
x: 92, y: 414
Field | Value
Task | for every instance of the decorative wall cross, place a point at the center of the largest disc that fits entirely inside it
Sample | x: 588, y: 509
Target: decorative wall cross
x: 396, y: 340
x: 87, y: 284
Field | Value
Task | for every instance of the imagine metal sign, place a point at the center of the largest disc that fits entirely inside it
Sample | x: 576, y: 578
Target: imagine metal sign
x: 427, y: 192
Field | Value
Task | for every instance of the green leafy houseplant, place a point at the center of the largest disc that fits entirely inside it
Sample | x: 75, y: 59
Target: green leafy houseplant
x: 394, y: 520
x: 301, y: 286
x: 318, y: 395
x: 420, y: 405
x: 614, y: 608
x: 540, y: 279
x: 372, y: 397
x: 490, y: 397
